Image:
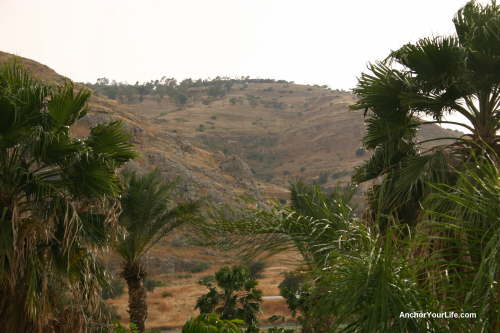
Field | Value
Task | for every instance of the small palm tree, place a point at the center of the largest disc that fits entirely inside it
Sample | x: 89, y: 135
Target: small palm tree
x: 147, y: 217
x: 235, y: 297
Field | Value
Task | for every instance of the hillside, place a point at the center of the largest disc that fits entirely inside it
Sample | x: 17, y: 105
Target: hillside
x: 252, y: 139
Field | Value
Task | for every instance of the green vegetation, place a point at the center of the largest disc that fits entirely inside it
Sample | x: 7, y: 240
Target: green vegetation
x: 147, y: 217
x: 255, y: 269
x: 150, y: 284
x: 199, y: 267
x: 431, y: 240
x: 178, y: 92
x: 339, y: 174
x: 58, y: 200
x: 213, y: 324
x: 235, y: 296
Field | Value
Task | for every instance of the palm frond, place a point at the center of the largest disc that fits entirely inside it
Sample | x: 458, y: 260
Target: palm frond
x: 111, y: 140
x: 147, y: 214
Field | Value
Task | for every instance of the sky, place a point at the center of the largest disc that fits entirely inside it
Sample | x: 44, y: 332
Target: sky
x: 309, y: 41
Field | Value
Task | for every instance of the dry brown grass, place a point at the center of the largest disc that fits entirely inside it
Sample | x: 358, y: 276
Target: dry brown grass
x: 173, y: 311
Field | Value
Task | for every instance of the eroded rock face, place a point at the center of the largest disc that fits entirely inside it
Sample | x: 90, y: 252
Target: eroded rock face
x: 237, y: 168
x: 199, y: 174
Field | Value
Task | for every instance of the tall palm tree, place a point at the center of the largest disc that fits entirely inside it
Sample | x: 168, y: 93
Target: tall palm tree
x: 147, y: 217
x: 436, y: 76
x: 58, y: 202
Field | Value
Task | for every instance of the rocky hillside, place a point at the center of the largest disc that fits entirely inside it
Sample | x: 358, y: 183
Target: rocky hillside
x: 253, y: 139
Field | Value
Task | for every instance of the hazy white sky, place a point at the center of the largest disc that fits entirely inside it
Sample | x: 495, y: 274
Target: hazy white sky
x: 309, y: 41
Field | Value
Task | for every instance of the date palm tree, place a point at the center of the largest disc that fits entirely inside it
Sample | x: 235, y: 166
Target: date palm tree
x: 58, y: 203
x: 147, y: 216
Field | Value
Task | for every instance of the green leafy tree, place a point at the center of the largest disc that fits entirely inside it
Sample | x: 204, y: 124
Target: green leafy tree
x: 235, y: 296
x: 147, y: 216
x: 58, y: 204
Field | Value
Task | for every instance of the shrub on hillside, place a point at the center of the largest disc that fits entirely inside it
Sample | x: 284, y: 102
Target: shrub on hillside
x: 256, y: 268
x: 151, y: 284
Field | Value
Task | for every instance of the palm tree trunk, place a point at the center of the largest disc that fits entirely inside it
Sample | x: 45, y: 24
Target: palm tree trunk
x: 134, y: 274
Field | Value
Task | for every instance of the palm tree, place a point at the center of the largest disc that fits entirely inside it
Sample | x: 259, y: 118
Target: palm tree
x: 466, y: 218
x: 433, y: 77
x: 236, y: 297
x: 58, y: 203
x: 309, y: 225
x: 318, y: 225
x: 147, y: 217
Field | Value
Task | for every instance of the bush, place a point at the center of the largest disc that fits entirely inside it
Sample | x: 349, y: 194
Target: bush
x: 255, y: 156
x: 339, y: 174
x: 216, y: 91
x: 198, y: 267
x: 167, y: 294
x: 267, y: 177
x: 150, y: 284
x: 293, y: 291
x: 206, y: 280
x: 256, y: 268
